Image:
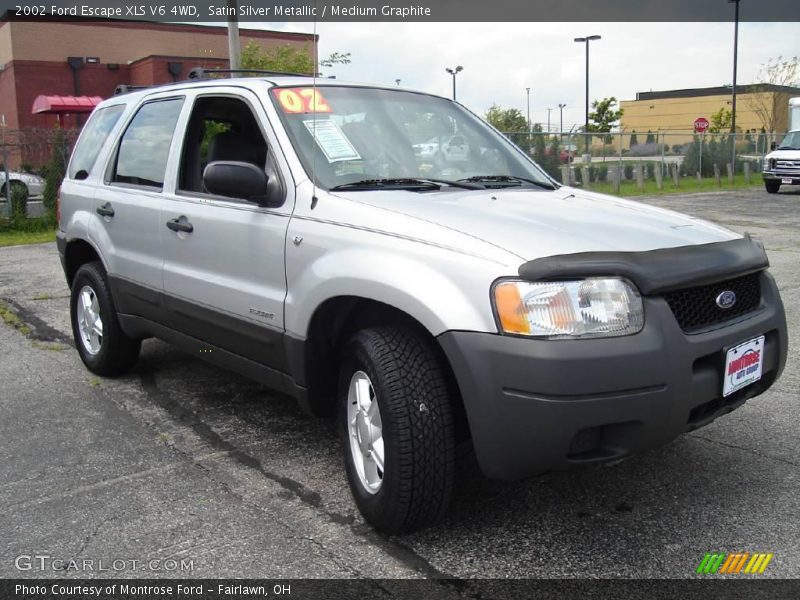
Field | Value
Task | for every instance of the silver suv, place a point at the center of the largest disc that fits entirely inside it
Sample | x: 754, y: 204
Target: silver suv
x: 291, y: 230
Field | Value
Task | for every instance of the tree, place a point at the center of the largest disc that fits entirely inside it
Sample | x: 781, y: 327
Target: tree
x: 604, y: 117
x: 287, y: 59
x: 634, y: 139
x: 721, y: 121
x: 651, y: 139
x: 506, y: 120
x: 767, y: 105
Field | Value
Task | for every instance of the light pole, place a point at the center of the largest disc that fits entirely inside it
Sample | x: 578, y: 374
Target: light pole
x: 397, y: 81
x: 528, y: 92
x: 735, y: 69
x: 586, y: 40
x: 454, y: 72
x: 561, y: 108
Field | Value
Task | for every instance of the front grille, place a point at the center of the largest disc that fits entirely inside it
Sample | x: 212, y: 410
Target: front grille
x: 696, y: 308
x: 787, y: 165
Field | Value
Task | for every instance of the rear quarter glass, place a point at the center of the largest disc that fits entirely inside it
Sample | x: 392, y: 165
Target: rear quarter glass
x: 94, y: 136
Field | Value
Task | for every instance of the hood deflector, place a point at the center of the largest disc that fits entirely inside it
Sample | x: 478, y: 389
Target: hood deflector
x: 656, y: 271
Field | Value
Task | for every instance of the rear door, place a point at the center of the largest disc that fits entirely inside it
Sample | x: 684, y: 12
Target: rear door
x: 224, y: 276
x: 129, y: 205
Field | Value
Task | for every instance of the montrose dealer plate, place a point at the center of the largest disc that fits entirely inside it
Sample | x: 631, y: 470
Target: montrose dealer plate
x: 743, y: 365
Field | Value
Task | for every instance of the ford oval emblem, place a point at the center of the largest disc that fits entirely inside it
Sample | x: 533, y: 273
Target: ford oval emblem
x: 726, y: 299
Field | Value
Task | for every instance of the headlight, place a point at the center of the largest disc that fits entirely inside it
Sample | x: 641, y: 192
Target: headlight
x: 766, y: 165
x: 587, y: 308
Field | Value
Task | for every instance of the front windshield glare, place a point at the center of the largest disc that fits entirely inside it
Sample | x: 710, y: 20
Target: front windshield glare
x: 349, y: 134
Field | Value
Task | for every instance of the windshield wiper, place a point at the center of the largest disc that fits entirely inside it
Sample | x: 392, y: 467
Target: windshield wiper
x: 505, y: 181
x: 404, y: 183
x: 787, y: 148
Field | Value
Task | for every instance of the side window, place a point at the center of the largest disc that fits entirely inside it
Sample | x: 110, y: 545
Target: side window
x: 221, y: 128
x: 144, y: 148
x: 92, y: 139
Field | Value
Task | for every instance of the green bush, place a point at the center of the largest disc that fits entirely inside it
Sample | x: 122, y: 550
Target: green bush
x: 54, y: 173
x: 19, y: 205
x: 602, y: 173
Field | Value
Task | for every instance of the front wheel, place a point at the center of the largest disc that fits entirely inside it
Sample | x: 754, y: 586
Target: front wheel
x: 396, y: 425
x: 102, y: 345
x: 772, y: 186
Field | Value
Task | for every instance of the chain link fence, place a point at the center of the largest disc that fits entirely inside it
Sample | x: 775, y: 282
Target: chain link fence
x: 31, y: 149
x: 659, y: 156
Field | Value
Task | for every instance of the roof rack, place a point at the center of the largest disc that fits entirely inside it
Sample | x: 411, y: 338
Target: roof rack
x: 127, y: 89
x: 203, y: 73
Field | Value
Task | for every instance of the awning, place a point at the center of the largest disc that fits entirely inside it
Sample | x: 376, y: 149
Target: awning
x: 60, y: 105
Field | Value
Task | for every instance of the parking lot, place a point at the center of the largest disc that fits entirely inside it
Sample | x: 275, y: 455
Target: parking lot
x: 182, y: 461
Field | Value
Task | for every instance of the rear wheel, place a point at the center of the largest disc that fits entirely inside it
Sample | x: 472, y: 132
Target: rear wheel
x: 396, y: 425
x: 772, y: 186
x: 102, y: 345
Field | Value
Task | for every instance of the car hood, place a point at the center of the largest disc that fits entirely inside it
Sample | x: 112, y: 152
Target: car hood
x: 784, y: 154
x: 533, y: 224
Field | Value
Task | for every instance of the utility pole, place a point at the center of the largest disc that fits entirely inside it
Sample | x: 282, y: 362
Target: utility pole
x: 234, y: 44
x: 561, y: 108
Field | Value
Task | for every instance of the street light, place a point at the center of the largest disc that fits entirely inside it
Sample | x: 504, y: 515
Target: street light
x: 586, y: 40
x: 454, y: 72
x: 561, y: 108
x: 397, y: 81
x: 735, y: 69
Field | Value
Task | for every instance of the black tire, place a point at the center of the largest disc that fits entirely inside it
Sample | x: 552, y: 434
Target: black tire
x: 117, y: 352
x: 15, y: 185
x: 772, y: 186
x: 417, y: 423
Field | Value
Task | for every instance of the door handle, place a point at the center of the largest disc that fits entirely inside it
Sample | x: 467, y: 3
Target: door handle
x: 106, y: 210
x: 180, y: 224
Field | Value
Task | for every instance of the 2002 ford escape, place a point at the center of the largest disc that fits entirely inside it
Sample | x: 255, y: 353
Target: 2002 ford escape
x: 386, y: 254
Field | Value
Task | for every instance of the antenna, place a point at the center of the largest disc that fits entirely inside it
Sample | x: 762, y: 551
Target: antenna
x: 314, y: 198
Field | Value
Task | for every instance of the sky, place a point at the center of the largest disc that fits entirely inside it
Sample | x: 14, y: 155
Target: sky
x: 501, y: 59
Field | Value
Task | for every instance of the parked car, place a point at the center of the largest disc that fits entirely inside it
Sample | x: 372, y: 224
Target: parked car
x: 32, y: 184
x: 782, y: 165
x: 282, y: 228
x: 451, y: 148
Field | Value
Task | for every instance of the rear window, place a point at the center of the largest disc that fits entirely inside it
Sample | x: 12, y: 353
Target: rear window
x: 92, y: 138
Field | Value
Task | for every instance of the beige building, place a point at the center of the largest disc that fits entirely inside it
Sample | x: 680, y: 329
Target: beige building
x: 757, y: 107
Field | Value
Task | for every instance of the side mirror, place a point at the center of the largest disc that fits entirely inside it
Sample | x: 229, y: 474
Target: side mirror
x: 773, y: 146
x: 234, y: 179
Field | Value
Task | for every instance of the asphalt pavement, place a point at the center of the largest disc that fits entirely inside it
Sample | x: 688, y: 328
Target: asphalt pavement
x: 180, y: 465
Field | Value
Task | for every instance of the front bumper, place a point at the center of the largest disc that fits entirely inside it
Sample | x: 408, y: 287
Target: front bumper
x: 538, y: 405
x: 780, y: 176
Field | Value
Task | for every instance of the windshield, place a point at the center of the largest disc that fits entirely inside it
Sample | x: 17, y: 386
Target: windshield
x: 791, y: 141
x: 350, y: 134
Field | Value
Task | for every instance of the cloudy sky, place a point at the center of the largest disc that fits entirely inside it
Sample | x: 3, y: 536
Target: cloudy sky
x: 501, y: 59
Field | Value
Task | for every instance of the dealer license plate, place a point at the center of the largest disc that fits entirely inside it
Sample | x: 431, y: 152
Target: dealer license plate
x: 786, y: 180
x: 743, y: 365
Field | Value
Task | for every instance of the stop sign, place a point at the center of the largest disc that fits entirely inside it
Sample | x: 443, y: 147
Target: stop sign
x: 701, y: 124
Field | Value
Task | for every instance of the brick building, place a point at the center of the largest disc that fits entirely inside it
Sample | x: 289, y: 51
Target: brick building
x: 90, y: 58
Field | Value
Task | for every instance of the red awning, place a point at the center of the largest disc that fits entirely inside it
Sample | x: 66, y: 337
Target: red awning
x: 65, y: 104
